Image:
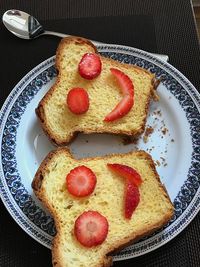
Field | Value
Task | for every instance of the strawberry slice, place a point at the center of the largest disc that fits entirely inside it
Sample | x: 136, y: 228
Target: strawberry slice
x: 89, y: 66
x: 78, y: 100
x: 127, y: 172
x: 91, y: 228
x: 132, y: 198
x: 125, y: 105
x: 124, y: 82
x: 122, y: 108
x: 81, y: 181
x: 133, y: 180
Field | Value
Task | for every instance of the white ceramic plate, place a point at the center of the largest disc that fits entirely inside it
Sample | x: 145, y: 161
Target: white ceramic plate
x: 174, y: 145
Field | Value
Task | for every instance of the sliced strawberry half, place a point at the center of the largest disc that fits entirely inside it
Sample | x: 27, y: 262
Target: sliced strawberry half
x: 90, y: 66
x: 78, y: 100
x: 124, y: 82
x: 127, y: 172
x: 91, y: 228
x: 81, y: 181
x: 132, y: 198
x: 122, y: 108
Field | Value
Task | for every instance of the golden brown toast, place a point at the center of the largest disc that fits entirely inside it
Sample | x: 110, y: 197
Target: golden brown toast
x: 154, y: 210
x: 61, y: 125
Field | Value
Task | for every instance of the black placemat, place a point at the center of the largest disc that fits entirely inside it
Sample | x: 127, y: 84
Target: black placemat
x: 157, y: 26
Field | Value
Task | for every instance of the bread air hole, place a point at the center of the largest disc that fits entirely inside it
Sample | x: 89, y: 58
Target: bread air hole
x: 104, y: 203
x: 69, y: 206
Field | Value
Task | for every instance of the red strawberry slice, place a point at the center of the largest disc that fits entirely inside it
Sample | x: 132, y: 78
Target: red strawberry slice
x: 78, y: 100
x: 132, y: 198
x: 91, y: 228
x: 125, y: 105
x: 122, y: 108
x: 89, y: 66
x: 127, y: 172
x: 81, y: 181
x: 124, y: 82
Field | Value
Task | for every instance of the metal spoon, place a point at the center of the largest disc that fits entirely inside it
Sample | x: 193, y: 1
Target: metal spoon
x: 27, y: 27
x: 24, y: 25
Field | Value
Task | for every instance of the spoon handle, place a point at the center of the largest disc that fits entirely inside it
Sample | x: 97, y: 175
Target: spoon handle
x: 62, y: 35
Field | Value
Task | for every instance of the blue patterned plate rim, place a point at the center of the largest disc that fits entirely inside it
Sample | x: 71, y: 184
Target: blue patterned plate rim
x: 169, y: 74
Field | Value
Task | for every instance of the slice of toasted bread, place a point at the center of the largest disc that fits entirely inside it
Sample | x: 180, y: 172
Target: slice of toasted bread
x: 104, y: 93
x: 154, y: 210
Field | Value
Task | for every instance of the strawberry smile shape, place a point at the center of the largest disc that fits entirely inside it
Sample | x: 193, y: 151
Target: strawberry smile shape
x: 132, y: 199
x: 125, y: 105
x: 131, y: 193
x: 127, y: 172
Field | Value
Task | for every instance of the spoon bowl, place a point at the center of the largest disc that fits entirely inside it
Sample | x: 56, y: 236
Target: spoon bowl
x: 22, y: 24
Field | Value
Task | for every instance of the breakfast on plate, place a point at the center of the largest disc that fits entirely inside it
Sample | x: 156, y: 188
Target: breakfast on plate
x: 99, y: 205
x: 94, y: 94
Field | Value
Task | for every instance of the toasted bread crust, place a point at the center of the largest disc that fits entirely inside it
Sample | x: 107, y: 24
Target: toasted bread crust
x: 40, y: 109
x: 107, y: 260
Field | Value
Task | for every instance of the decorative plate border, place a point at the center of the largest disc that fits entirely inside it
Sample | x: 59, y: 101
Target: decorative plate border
x: 20, y: 204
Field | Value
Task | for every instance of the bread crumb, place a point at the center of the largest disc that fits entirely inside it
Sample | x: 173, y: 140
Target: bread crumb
x: 150, y: 149
x: 149, y: 130
x: 163, y: 159
x: 145, y: 139
x: 158, y: 112
x: 157, y: 162
x: 164, y: 130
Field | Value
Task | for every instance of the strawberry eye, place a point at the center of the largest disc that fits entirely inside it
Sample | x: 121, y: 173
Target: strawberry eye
x: 81, y: 181
x: 90, y: 66
x: 78, y: 100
